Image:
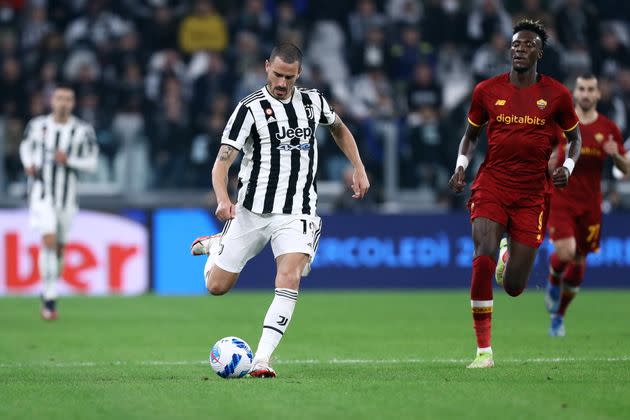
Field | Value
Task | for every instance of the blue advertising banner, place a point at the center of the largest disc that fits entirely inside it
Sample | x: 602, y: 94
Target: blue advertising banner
x: 374, y: 251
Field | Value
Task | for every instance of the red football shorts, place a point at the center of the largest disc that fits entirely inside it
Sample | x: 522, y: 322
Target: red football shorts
x: 567, y: 221
x: 525, y: 224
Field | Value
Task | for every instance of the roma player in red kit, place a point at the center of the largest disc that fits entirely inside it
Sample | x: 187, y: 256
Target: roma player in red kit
x: 510, y: 194
x: 576, y: 216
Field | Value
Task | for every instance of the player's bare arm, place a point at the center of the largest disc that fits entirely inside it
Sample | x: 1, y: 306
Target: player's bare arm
x: 612, y: 149
x: 225, y: 208
x: 560, y: 176
x: 345, y: 140
x: 467, y: 146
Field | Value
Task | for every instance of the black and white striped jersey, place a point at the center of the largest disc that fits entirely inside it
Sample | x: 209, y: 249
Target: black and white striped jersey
x: 279, y: 165
x: 53, y: 182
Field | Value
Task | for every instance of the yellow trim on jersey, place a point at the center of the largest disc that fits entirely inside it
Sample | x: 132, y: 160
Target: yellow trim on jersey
x: 472, y: 123
x: 569, y: 129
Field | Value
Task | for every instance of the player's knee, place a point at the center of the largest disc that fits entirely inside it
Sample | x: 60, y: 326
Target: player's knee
x: 565, y: 253
x: 486, y: 249
x: 512, y: 290
x: 216, y: 288
x: 288, y: 278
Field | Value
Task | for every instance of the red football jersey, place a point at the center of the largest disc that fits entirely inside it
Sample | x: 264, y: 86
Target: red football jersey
x: 521, y: 132
x: 584, y: 189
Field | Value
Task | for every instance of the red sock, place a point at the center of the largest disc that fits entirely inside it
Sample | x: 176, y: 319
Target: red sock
x: 556, y: 269
x: 573, y: 277
x: 481, y: 298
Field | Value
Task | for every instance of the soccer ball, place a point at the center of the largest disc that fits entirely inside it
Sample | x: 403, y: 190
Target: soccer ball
x: 231, y: 357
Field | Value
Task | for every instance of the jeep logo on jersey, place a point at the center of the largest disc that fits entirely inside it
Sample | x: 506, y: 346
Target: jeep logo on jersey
x: 288, y: 147
x: 290, y: 133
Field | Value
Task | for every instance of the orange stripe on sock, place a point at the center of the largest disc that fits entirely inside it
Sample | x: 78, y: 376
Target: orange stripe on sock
x: 485, y: 310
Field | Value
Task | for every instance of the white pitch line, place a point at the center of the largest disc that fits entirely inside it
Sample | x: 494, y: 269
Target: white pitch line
x: 539, y: 360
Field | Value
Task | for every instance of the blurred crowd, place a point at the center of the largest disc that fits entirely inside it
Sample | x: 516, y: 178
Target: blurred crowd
x: 159, y: 78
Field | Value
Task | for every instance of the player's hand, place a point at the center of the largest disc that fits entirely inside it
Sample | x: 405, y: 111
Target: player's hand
x: 457, y: 183
x: 226, y: 210
x: 60, y: 157
x: 560, y: 177
x: 611, y: 147
x: 31, y: 171
x: 360, y: 183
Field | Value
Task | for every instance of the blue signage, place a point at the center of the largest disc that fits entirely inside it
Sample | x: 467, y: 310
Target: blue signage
x: 374, y: 251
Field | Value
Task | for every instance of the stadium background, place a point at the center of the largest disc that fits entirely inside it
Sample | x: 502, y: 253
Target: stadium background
x: 158, y: 79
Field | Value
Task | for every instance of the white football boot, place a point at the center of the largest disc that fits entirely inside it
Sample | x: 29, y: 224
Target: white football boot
x: 262, y: 369
x: 204, y: 244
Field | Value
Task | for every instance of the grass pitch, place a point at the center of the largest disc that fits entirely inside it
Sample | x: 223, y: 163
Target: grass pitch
x: 350, y: 355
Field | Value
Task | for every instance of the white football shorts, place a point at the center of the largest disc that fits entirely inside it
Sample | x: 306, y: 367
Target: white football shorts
x: 247, y: 234
x: 46, y: 219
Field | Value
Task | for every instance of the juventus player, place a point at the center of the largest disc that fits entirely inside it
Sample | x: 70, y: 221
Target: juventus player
x: 275, y: 128
x: 55, y: 147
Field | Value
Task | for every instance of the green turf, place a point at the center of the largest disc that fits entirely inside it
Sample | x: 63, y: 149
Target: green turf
x: 100, y: 359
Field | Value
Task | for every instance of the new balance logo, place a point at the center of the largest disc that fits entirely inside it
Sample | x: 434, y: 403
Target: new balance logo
x: 282, y: 321
x: 500, y: 102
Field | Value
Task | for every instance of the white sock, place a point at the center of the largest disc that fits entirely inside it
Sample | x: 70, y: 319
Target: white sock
x: 484, y: 350
x: 48, y: 269
x: 276, y: 322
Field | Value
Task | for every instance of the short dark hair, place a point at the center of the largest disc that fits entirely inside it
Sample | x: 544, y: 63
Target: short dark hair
x: 586, y: 75
x: 287, y: 52
x: 533, y: 26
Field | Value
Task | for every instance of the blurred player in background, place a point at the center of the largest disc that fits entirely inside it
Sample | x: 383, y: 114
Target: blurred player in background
x: 275, y: 128
x: 575, y: 217
x: 54, y: 149
x: 511, y: 190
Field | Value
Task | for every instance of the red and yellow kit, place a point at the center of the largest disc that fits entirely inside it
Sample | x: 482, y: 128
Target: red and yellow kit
x: 512, y: 186
x: 576, y: 209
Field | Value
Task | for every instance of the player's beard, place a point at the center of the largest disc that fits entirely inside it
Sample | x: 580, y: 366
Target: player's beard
x: 586, y: 107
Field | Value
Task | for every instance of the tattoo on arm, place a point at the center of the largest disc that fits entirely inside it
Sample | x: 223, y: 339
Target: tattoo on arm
x: 335, y: 127
x: 225, y: 153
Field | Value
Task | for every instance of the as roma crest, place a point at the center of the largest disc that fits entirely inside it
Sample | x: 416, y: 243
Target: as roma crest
x: 541, y: 103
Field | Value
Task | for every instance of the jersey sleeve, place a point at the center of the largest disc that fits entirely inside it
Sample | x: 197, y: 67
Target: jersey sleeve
x: 565, y: 115
x: 477, y: 114
x: 328, y: 115
x: 238, y: 127
x: 84, y: 156
x: 27, y: 146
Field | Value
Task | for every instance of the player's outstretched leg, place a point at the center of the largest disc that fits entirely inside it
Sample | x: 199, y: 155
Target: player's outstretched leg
x: 573, y: 278
x: 280, y: 312
x: 486, y: 235
x: 481, y: 302
x: 274, y: 326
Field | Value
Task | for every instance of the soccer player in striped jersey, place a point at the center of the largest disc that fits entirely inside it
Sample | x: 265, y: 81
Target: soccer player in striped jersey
x: 576, y: 214
x: 275, y: 128
x: 54, y: 149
